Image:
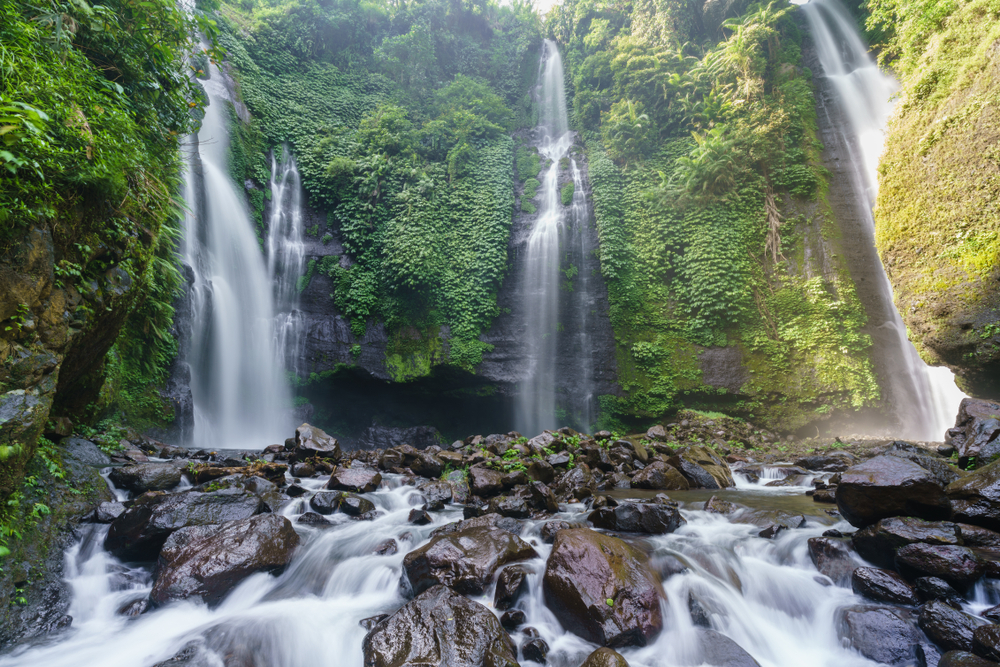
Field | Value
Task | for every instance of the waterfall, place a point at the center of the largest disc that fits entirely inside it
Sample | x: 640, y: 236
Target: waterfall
x: 556, y: 327
x: 925, y: 399
x: 286, y: 257
x: 237, y: 374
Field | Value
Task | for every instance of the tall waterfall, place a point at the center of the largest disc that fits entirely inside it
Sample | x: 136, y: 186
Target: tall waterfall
x: 925, y: 399
x: 547, y: 316
x: 286, y: 257
x: 237, y: 374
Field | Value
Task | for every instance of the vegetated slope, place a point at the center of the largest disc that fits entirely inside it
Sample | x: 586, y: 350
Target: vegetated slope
x: 400, y: 117
x: 93, y: 101
x: 937, y: 218
x: 719, y: 248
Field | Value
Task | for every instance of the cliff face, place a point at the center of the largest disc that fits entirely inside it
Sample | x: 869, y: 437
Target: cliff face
x: 937, y: 220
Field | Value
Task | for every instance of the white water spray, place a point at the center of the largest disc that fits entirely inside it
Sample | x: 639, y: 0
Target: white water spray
x: 237, y: 375
x: 926, y: 398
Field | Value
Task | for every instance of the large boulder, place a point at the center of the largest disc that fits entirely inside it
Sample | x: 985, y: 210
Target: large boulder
x: 703, y: 468
x: 605, y: 657
x: 986, y: 641
x: 976, y: 498
x: 718, y: 649
x: 485, y: 482
x: 959, y: 566
x: 879, y: 542
x: 602, y: 589
x: 886, y: 635
x: 439, y: 627
x: 464, y: 560
x: 311, y: 441
x: 660, y: 476
x: 883, y: 586
x: 358, y: 480
x: 832, y: 558
x: 964, y: 659
x: 207, y: 561
x: 977, y: 429
x: 638, y: 518
x: 888, y: 486
x: 142, y: 477
x: 140, y: 532
x: 949, y: 628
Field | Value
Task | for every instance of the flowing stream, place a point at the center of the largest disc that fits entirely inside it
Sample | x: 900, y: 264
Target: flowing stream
x: 557, y: 296
x: 924, y: 398
x: 764, y: 594
x: 238, y: 384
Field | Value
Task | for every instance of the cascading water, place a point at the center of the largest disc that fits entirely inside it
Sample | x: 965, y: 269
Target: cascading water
x: 286, y: 256
x: 555, y: 326
x: 241, y: 399
x: 925, y: 399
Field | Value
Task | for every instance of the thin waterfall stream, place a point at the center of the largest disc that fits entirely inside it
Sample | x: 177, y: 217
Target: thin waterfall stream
x: 924, y: 399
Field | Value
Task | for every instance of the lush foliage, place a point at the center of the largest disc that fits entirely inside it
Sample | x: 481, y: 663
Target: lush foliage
x: 400, y: 118
x: 702, y: 145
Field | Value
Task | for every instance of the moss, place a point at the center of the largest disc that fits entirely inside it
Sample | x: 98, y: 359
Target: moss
x: 412, y: 353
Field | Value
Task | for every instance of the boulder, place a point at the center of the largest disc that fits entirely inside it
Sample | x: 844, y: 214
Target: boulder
x: 465, y: 560
x: 511, y: 583
x: 510, y: 506
x: 718, y: 649
x: 358, y: 480
x: 832, y: 558
x: 977, y: 536
x: 964, y: 659
x: 886, y: 635
x: 703, y: 468
x: 661, y: 477
x: 883, y: 586
x: 86, y: 452
x: 426, y: 465
x: 577, y: 482
x: 888, y: 486
x: 879, y: 542
x: 977, y: 429
x: 512, y: 526
x: 208, y: 561
x: 140, y: 532
x: 657, y: 432
x: 535, y: 650
x: 107, y: 512
x: 540, y: 470
x: 311, y: 441
x: 638, y: 518
x: 142, y: 477
x: 949, y: 628
x: 550, y: 528
x: 439, y: 627
x: 605, y: 657
x: 959, y: 566
x: 986, y: 642
x: 485, y: 482
x: 832, y: 462
x: 602, y: 589
x: 976, y: 498
x: 934, y: 588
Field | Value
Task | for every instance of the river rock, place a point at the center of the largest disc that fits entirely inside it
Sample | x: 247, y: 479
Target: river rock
x: 139, y: 533
x: 426, y: 465
x: 510, y: 506
x: 718, y: 649
x: 142, y: 477
x: 485, y: 482
x: 512, y: 526
x: 976, y: 497
x: 311, y: 441
x: 578, y: 482
x: 884, y: 634
x: 439, y: 627
x: 535, y: 650
x: 832, y: 558
x: 831, y: 462
x: 888, y: 486
x: 539, y: 470
x: 977, y: 536
x: 959, y: 566
x: 208, y: 561
x: 661, y: 477
x: 550, y: 528
x: 511, y: 583
x: 977, y: 429
x: 879, y: 542
x: 949, y: 628
x: 703, y: 468
x: 986, y: 642
x: 605, y: 657
x: 86, y: 452
x: 883, y: 586
x: 358, y: 480
x: 107, y: 512
x: 464, y: 560
x: 964, y: 659
x: 638, y: 518
x: 934, y: 588
x: 587, y: 569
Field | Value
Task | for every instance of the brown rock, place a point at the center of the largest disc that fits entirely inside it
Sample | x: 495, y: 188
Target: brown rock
x: 660, y: 476
x: 358, y: 480
x: 605, y: 657
x: 888, y: 486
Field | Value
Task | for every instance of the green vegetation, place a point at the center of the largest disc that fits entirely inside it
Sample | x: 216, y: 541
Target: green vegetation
x: 937, y: 226
x: 400, y: 117
x: 702, y: 152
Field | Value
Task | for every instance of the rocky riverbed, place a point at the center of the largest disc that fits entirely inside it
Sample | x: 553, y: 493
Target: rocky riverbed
x: 703, y: 541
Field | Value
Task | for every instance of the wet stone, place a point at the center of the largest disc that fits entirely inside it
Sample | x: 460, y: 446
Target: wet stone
x: 511, y: 584
x: 884, y: 634
x: 949, y: 628
x: 419, y: 517
x: 535, y: 650
x: 512, y: 620
x: 605, y: 657
x: 883, y: 586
